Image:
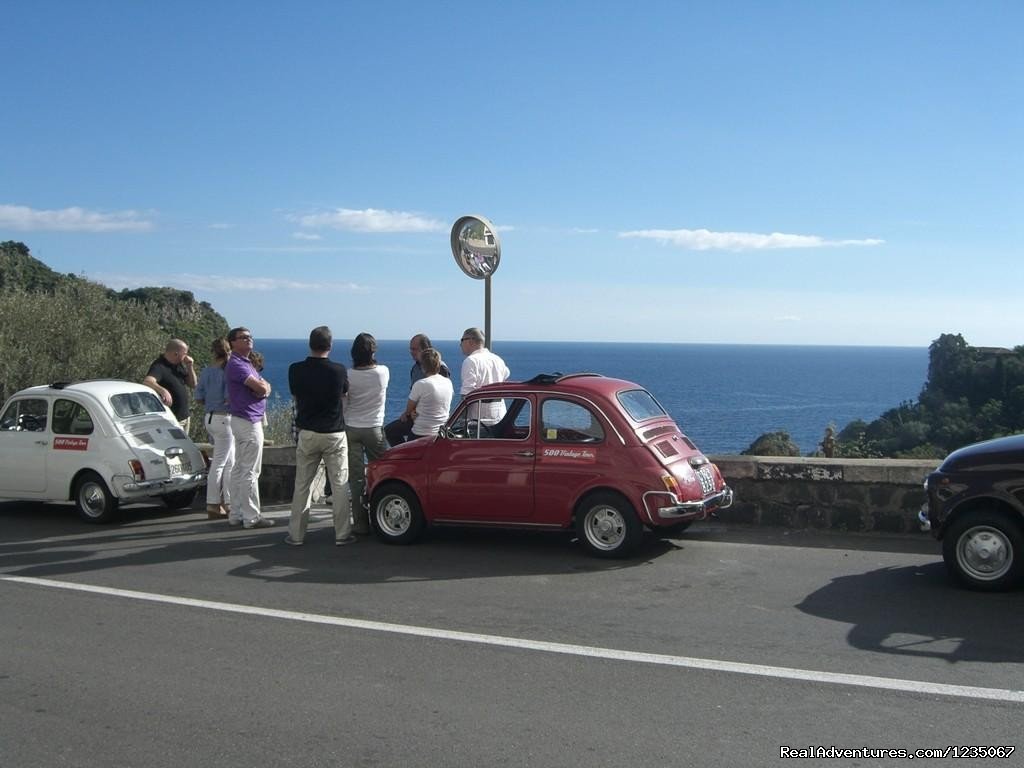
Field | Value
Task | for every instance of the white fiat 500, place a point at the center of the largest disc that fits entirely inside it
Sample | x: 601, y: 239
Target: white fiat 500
x: 97, y: 443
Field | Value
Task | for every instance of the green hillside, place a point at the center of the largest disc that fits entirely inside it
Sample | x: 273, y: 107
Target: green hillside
x: 57, y: 326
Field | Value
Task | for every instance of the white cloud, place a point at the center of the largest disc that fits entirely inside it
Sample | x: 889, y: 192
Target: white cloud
x: 220, y: 225
x: 370, y: 220
x: 584, y: 231
x: 75, y: 219
x: 224, y: 283
x: 306, y: 236
x: 301, y: 248
x: 706, y: 240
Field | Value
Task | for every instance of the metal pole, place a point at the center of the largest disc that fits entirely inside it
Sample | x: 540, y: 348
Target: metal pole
x: 487, y: 312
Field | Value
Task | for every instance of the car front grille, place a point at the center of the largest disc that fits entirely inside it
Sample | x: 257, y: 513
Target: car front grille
x: 707, y: 480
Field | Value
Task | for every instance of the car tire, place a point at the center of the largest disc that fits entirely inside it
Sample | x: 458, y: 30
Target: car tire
x: 179, y: 499
x: 396, y: 514
x: 607, y: 525
x: 984, y: 550
x: 94, y: 501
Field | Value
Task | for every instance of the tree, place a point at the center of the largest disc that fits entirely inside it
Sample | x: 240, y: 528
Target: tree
x: 181, y: 317
x: 76, y: 332
x: 950, y: 366
x: 773, y: 444
x: 56, y: 327
x: 18, y: 269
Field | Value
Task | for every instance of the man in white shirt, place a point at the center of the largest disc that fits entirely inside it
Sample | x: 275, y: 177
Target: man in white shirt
x: 480, y: 367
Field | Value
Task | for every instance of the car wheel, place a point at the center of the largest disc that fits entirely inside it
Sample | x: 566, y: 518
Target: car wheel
x: 179, y: 499
x: 985, y: 551
x: 396, y: 514
x: 608, y: 526
x: 94, y: 501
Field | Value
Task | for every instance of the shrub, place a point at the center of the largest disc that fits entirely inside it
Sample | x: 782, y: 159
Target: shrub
x: 76, y: 332
x: 773, y: 444
x: 279, y: 422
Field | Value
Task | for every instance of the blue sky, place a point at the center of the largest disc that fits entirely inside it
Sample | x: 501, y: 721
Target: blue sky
x: 747, y: 172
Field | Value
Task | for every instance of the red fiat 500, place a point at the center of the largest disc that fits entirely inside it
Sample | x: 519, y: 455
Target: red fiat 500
x: 579, y: 450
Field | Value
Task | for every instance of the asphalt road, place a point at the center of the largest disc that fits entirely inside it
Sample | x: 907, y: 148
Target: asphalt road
x: 201, y: 645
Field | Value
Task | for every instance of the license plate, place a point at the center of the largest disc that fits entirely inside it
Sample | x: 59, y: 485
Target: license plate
x: 174, y: 467
x: 707, y: 480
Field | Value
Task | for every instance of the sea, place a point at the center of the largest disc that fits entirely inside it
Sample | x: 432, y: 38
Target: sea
x: 723, y: 396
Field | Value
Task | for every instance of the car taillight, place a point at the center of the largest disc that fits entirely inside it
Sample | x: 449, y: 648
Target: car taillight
x: 671, y: 485
x: 137, y: 470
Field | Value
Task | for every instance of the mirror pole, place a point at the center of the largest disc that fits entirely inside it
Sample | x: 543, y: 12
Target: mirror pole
x: 487, y: 312
x: 477, y: 251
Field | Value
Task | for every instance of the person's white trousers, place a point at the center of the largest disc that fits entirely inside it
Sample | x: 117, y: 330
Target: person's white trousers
x: 245, y: 474
x: 218, y: 481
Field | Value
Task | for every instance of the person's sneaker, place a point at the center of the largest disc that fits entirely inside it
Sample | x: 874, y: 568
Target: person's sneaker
x: 234, y: 523
x: 293, y: 542
x: 350, y: 539
x: 263, y: 522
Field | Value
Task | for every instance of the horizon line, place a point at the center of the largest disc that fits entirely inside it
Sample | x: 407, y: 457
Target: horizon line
x: 662, y: 343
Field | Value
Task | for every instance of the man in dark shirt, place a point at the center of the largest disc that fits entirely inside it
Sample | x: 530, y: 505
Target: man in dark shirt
x: 318, y: 385
x: 170, y: 376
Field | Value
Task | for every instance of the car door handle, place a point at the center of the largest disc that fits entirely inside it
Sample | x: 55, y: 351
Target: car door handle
x: 523, y: 453
x: 42, y: 442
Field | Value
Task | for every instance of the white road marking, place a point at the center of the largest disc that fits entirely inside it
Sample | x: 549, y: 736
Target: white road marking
x: 759, y: 670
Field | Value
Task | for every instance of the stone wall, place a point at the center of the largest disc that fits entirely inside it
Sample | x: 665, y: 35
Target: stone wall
x: 277, y: 479
x: 792, y: 492
x: 836, y: 494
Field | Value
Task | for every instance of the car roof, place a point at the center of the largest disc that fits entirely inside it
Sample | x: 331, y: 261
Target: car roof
x: 578, y: 383
x: 100, y: 389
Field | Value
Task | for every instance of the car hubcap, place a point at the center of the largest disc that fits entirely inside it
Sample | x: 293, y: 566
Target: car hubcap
x: 92, y: 500
x: 605, y: 527
x: 985, y: 553
x: 394, y: 515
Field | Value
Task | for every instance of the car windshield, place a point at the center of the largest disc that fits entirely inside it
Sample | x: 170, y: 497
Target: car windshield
x: 136, y: 404
x: 640, y: 404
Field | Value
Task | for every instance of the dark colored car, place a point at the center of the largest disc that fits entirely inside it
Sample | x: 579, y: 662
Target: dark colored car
x: 976, y: 508
x: 581, y: 451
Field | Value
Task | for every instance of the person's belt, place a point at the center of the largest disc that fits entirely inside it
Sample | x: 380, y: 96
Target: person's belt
x: 219, y: 413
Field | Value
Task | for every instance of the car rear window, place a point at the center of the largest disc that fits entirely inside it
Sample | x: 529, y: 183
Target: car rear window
x: 640, y: 404
x: 136, y: 404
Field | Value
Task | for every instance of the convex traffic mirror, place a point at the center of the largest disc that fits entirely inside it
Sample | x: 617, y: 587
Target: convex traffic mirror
x: 476, y: 246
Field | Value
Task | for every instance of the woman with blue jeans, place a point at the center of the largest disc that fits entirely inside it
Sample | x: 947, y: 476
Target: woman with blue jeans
x: 212, y: 392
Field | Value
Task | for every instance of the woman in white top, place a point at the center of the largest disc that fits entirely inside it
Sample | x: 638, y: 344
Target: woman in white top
x: 364, y: 421
x: 430, y: 398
